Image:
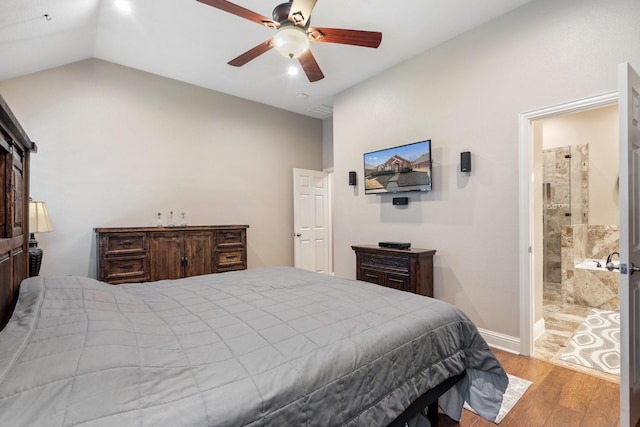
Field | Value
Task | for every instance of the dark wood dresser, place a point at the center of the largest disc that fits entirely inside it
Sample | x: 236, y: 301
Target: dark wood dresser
x: 409, y: 270
x: 15, y: 153
x: 142, y: 254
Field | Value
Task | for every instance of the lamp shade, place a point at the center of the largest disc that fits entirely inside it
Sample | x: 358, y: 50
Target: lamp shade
x: 39, y: 221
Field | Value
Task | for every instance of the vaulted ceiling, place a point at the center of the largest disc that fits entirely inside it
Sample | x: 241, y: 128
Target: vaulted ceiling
x: 192, y: 42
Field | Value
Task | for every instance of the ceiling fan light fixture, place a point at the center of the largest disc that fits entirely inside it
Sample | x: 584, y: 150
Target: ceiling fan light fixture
x: 291, y: 41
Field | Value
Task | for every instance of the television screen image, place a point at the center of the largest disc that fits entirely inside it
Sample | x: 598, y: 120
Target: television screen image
x: 398, y: 169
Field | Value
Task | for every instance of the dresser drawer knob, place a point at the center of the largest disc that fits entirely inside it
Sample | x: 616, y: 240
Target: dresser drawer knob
x: 126, y: 243
x: 126, y: 267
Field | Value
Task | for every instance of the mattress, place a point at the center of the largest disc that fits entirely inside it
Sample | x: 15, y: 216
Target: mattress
x: 271, y: 346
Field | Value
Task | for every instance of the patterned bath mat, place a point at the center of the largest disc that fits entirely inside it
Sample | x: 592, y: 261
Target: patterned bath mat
x: 596, y: 342
x: 513, y: 393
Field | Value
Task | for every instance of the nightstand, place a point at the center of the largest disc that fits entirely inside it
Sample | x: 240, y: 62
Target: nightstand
x: 408, y: 270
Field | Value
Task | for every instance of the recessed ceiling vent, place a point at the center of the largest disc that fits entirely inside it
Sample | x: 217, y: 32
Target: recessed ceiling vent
x: 322, y: 111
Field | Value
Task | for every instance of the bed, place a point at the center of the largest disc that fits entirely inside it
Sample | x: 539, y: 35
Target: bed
x: 263, y: 347
x: 273, y: 346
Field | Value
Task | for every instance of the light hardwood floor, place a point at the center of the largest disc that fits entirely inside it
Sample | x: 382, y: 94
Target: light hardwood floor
x: 559, y: 397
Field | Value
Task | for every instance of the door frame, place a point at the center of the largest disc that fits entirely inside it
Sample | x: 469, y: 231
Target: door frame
x: 525, y: 234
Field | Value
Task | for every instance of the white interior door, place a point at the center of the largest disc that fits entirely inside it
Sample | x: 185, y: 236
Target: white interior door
x: 311, y: 220
x: 629, y: 107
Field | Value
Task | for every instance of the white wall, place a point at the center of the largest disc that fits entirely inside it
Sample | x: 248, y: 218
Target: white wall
x: 599, y: 129
x: 327, y: 143
x: 466, y: 96
x: 117, y: 145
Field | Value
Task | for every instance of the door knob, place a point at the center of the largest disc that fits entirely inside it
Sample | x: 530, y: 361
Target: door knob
x: 623, y: 268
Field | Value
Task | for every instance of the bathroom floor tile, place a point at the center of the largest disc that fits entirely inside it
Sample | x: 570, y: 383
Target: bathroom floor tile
x: 561, y: 321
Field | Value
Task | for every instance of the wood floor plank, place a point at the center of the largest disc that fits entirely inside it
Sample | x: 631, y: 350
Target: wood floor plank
x: 575, y: 389
x: 533, y: 409
x: 601, y: 410
x: 563, y: 417
x: 558, y: 396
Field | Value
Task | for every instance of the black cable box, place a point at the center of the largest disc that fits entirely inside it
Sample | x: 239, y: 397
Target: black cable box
x: 394, y: 245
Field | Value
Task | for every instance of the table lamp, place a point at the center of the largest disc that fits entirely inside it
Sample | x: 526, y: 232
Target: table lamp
x: 39, y: 222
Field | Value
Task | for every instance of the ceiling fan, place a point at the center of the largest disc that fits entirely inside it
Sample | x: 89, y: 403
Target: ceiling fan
x: 291, y: 20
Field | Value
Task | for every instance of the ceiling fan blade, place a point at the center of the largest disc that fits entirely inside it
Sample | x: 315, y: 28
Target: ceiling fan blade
x: 252, y: 54
x: 351, y: 37
x: 241, y: 12
x: 310, y: 66
x: 300, y: 11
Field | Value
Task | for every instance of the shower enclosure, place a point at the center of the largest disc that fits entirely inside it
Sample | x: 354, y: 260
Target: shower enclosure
x: 574, y: 250
x: 565, y: 202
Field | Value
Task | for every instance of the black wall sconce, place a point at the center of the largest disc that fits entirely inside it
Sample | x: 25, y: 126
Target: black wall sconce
x: 353, y: 178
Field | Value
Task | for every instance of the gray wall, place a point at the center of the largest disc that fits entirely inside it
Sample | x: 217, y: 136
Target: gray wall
x: 327, y: 143
x: 117, y: 145
x: 466, y: 95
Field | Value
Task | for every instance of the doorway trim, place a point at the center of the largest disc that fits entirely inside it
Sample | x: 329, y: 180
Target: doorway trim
x: 525, y: 235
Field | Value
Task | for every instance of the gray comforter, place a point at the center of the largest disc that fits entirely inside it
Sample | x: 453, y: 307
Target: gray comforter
x: 263, y: 347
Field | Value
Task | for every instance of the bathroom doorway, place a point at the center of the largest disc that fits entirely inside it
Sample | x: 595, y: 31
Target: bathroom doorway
x: 577, y: 202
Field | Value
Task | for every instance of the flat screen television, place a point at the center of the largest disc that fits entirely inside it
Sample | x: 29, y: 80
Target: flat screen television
x: 398, y: 169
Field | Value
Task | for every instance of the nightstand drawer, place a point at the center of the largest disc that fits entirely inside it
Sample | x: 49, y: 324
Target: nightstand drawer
x: 386, y: 261
x: 399, y: 281
x: 115, y: 244
x: 372, y: 276
x: 390, y: 280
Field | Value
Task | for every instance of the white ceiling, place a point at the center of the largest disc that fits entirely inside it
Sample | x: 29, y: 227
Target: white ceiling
x: 192, y: 42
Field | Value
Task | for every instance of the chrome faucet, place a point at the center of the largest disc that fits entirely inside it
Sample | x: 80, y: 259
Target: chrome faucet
x: 609, y: 264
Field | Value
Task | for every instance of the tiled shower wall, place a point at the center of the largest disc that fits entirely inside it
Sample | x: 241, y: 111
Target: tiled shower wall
x: 565, y: 191
x: 591, y: 288
x: 569, y: 240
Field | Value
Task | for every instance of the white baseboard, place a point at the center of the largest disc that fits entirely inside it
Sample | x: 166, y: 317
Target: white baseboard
x: 538, y: 329
x: 501, y: 341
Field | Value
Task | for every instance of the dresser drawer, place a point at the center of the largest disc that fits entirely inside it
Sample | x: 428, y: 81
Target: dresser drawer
x: 230, y: 260
x: 116, y: 244
x: 230, y: 237
x: 125, y: 269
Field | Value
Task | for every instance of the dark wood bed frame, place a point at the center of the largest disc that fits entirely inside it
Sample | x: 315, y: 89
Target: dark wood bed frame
x: 428, y: 400
x: 15, y: 150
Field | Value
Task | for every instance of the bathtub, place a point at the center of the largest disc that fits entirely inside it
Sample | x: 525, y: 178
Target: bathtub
x: 596, y: 264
